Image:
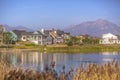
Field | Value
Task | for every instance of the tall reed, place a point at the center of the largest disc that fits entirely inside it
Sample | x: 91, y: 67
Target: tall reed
x: 108, y: 71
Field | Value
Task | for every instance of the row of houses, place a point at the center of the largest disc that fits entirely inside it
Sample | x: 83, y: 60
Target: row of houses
x: 42, y: 37
x: 47, y: 37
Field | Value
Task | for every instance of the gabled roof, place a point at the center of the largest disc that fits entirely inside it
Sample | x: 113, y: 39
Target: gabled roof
x: 41, y: 33
x: 35, y: 32
x: 53, y: 34
x: 19, y: 32
x: 47, y: 32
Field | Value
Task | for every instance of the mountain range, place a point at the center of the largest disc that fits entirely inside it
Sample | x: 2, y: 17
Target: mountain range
x: 94, y: 28
x: 9, y: 28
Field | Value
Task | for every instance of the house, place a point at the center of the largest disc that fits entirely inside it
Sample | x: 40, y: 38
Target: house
x: 57, y: 36
x: 47, y: 36
x: 109, y: 39
x: 19, y: 34
x: 66, y: 36
x: 34, y: 37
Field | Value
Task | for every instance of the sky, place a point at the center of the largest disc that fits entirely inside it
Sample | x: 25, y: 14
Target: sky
x: 57, y: 13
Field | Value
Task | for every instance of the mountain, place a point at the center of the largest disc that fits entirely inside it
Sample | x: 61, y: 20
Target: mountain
x: 94, y: 28
x: 9, y: 28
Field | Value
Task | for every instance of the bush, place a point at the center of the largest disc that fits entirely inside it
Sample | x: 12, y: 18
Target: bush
x: 69, y: 43
x: 30, y: 44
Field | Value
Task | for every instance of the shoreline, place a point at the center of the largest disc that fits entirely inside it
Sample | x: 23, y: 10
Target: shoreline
x: 64, y: 49
x: 83, y: 48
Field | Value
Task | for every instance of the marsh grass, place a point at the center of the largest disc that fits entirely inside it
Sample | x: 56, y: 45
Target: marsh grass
x: 83, y: 48
x: 2, y: 71
x: 67, y: 49
x: 4, y: 68
x: 108, y: 71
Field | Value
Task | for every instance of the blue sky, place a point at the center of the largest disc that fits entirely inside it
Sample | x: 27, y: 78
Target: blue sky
x: 57, y: 13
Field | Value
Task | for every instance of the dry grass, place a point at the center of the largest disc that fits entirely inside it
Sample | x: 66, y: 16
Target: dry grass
x: 2, y: 71
x: 109, y: 71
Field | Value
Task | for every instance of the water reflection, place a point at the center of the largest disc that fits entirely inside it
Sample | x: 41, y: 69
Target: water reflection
x: 39, y: 60
x: 110, y: 56
x: 109, y: 53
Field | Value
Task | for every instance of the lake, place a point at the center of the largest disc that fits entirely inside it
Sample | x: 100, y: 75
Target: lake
x: 38, y: 60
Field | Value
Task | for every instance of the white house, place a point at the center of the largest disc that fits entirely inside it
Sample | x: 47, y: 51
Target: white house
x: 109, y: 39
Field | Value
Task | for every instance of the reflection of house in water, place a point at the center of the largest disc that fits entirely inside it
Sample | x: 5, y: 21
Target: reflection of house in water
x: 108, y: 53
x: 41, y: 59
x: 108, y: 56
x: 57, y: 58
x: 12, y: 58
x: 32, y: 59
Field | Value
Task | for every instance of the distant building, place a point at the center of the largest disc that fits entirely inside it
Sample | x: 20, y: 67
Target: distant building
x: 83, y: 36
x: 58, y: 36
x: 19, y: 34
x: 109, y: 39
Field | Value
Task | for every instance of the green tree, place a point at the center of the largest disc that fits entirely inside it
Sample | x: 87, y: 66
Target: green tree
x: 75, y: 40
x: 90, y: 40
x: 87, y: 41
x: 96, y: 41
x: 1, y: 34
x: 69, y: 43
x: 7, y: 38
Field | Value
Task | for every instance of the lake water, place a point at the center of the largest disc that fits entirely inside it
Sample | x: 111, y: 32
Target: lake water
x: 39, y: 60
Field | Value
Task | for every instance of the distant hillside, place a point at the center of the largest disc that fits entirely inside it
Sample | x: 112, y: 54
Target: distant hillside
x: 9, y: 28
x: 94, y: 28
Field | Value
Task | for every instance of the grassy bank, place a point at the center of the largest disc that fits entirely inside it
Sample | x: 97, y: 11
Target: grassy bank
x: 65, y: 48
x: 23, y: 46
x: 83, y: 48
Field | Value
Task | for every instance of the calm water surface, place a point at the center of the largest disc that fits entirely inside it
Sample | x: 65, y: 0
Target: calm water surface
x: 39, y: 60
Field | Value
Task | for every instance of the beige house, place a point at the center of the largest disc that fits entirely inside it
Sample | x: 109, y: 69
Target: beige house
x: 109, y: 39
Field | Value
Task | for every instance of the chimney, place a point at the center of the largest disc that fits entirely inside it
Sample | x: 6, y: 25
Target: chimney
x: 42, y: 30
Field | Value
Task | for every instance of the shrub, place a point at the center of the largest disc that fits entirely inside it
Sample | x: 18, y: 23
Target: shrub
x: 69, y: 43
x: 30, y: 44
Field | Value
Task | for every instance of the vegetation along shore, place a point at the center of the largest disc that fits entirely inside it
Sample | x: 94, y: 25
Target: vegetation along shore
x: 63, y: 48
x: 108, y: 71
